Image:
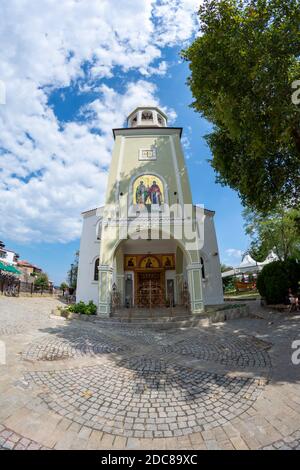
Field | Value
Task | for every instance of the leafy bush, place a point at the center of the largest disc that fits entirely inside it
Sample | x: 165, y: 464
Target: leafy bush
x: 91, y: 308
x: 41, y: 281
x: 276, y: 278
x: 84, y: 309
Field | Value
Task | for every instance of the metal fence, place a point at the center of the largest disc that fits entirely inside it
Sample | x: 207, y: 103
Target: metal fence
x: 12, y: 286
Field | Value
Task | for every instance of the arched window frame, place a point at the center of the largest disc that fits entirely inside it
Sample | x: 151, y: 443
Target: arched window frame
x: 134, y: 121
x: 147, y: 116
x: 160, y: 120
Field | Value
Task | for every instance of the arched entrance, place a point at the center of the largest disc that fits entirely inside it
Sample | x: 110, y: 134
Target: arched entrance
x: 150, y: 273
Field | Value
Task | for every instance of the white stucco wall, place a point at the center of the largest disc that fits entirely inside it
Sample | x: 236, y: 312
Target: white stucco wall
x: 212, y: 284
x: 9, y: 258
x: 87, y: 288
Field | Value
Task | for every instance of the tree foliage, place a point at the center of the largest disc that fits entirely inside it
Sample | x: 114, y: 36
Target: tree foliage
x: 277, y: 278
x: 72, y: 273
x: 225, y: 268
x: 278, y: 232
x: 63, y: 287
x: 242, y: 68
x: 42, y: 281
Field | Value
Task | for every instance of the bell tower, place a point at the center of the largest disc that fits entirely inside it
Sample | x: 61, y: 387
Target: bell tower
x: 148, y: 209
x: 147, y: 117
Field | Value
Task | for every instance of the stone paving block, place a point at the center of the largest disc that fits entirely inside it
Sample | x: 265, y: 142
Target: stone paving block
x: 239, y: 443
x: 165, y: 387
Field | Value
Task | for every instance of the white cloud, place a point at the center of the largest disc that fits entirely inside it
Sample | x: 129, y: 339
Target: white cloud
x: 51, y: 171
x: 234, y: 252
x: 176, y: 20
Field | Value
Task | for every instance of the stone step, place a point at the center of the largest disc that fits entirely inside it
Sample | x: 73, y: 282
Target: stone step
x: 186, y: 323
x: 146, y: 320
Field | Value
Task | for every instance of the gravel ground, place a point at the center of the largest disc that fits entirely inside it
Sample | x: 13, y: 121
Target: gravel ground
x: 21, y: 314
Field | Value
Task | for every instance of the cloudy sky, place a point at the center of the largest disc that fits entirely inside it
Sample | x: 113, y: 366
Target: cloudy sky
x: 73, y: 70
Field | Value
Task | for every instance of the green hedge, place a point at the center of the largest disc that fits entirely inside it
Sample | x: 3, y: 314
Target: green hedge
x: 276, y: 278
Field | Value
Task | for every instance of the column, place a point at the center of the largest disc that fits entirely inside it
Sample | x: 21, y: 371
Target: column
x: 178, y: 287
x: 195, y: 287
x: 120, y: 288
x: 105, y: 285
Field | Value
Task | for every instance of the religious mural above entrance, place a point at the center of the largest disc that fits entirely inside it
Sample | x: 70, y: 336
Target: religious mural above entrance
x: 149, y: 262
x: 130, y: 261
x: 168, y: 261
x: 145, y: 262
x: 148, y: 190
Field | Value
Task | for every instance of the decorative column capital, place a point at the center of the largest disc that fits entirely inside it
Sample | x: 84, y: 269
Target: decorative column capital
x: 192, y: 266
x: 106, y: 268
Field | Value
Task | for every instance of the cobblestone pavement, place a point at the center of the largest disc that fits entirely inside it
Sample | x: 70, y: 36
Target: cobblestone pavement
x: 144, y: 397
x: 78, y: 385
x: 241, y: 352
x: 88, y: 342
x: 291, y: 442
x: 10, y: 440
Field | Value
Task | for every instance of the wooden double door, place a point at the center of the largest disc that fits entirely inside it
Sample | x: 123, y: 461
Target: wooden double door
x: 150, y: 290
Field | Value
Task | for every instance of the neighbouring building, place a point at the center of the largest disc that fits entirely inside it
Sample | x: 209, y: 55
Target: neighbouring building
x: 28, y: 270
x: 8, y: 256
x: 149, y: 245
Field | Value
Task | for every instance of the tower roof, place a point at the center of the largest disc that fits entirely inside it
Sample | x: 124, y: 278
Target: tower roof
x: 145, y: 116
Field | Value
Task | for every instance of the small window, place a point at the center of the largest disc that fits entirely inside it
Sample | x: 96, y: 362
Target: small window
x: 160, y: 120
x: 202, y: 268
x: 134, y: 121
x: 147, y: 116
x: 96, y: 270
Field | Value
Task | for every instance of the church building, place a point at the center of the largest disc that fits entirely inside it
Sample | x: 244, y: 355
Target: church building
x: 149, y: 246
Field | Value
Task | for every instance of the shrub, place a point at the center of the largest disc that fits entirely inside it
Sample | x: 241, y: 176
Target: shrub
x: 276, y: 278
x: 91, y: 308
x: 84, y: 309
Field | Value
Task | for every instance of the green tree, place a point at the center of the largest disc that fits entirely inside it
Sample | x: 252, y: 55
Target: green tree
x: 243, y: 65
x: 41, y: 281
x: 279, y: 231
x: 225, y: 268
x: 63, y: 287
x: 72, y: 273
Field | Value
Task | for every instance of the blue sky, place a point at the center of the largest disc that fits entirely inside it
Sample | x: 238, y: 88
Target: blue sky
x: 62, y: 100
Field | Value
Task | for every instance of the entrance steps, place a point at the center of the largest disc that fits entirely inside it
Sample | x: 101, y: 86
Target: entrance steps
x: 160, y: 318
x: 157, y: 313
x: 166, y: 318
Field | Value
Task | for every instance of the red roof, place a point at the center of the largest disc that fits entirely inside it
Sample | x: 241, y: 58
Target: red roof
x: 25, y: 263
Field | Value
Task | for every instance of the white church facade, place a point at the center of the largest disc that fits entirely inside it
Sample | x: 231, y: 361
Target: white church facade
x: 149, y: 245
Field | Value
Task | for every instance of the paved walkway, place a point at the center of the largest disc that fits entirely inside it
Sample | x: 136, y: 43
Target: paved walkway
x: 76, y: 385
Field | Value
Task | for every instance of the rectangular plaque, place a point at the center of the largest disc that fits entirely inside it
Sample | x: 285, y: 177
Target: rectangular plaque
x: 147, y: 154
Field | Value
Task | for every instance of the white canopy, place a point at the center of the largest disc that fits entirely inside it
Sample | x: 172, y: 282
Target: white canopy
x: 249, y: 265
x: 247, y: 261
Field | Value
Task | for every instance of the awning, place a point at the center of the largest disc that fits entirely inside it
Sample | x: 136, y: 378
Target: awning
x: 13, y: 270
x: 2, y: 266
x: 9, y: 269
